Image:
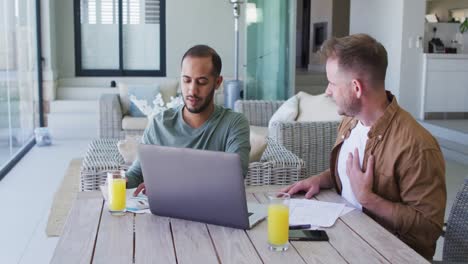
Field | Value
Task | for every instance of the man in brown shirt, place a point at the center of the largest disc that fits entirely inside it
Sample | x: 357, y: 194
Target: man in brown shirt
x: 383, y: 161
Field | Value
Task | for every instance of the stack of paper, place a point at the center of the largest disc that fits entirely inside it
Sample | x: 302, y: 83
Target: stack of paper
x: 316, y: 213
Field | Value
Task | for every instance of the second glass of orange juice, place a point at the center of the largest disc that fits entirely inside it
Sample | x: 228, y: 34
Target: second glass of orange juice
x: 278, y: 221
x: 116, y: 190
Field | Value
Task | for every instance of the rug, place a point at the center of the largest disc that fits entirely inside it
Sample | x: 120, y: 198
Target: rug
x: 63, y: 199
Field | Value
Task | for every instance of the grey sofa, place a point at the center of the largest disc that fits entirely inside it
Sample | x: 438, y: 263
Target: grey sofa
x: 113, y: 119
x: 277, y: 165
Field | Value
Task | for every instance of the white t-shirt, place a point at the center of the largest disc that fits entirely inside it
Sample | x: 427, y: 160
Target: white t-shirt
x: 357, y: 139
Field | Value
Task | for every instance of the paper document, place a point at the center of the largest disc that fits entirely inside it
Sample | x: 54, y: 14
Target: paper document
x: 346, y: 210
x: 134, y: 204
x: 315, y: 213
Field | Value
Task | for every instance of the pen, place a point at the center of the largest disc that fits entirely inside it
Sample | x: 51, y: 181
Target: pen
x: 294, y: 227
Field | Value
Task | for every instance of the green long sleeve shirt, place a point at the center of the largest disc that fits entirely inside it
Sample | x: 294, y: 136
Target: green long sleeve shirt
x: 225, y: 130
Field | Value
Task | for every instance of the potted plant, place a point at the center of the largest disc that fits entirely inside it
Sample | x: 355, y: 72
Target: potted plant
x: 464, y: 26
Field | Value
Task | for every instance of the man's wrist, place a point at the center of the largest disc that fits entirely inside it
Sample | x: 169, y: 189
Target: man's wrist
x: 323, y: 180
x: 369, y: 199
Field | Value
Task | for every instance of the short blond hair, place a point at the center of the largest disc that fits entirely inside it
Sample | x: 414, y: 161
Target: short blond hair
x: 358, y: 53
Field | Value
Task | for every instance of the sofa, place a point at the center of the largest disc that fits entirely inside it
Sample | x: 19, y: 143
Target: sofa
x: 274, y: 164
x: 114, y: 118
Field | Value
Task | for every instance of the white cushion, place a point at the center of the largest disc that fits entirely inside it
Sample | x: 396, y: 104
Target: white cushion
x: 134, y: 123
x: 287, y: 112
x: 123, y: 94
x: 316, y: 108
x: 128, y: 148
x: 258, y: 142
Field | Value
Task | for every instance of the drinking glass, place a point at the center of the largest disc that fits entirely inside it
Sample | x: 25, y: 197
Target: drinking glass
x: 116, y: 192
x: 278, y: 221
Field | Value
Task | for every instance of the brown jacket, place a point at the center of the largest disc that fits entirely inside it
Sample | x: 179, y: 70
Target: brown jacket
x: 409, y: 170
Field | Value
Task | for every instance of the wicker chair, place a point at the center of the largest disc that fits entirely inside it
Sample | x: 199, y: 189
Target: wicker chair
x: 278, y: 166
x: 311, y: 141
x: 456, y: 236
x: 110, y: 118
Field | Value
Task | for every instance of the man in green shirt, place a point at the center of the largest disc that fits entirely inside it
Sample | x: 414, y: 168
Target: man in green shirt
x: 199, y: 123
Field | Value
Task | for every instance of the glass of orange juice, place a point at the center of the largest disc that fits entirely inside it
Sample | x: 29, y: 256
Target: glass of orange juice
x: 278, y: 221
x: 116, y: 189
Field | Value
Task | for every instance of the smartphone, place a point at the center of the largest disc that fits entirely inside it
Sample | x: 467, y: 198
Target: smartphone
x: 308, y: 235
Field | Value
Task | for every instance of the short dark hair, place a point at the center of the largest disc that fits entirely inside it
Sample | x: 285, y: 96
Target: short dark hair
x: 203, y: 51
x: 359, y: 53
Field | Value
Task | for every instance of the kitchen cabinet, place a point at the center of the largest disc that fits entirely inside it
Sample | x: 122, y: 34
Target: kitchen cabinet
x: 445, y: 83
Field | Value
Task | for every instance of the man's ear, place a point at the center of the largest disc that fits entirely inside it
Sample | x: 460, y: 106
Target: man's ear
x: 219, y: 80
x: 358, y: 87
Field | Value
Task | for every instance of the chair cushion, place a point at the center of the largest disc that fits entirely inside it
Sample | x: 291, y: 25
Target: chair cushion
x: 316, y: 108
x: 258, y: 142
x: 287, y: 112
x: 134, y: 123
x: 141, y: 92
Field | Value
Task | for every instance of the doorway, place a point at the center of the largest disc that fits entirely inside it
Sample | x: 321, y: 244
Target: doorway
x: 317, y: 21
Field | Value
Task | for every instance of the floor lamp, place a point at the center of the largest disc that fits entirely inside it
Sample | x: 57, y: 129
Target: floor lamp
x: 232, y: 89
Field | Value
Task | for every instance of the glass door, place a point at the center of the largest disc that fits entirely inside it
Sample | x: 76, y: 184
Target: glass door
x: 18, y: 76
x: 268, y: 62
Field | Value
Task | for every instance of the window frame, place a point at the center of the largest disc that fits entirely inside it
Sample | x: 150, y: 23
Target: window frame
x: 79, y: 71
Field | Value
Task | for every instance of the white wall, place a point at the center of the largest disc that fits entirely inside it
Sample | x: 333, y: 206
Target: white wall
x: 64, y: 38
x: 188, y: 23
x: 412, y: 56
x: 208, y: 22
x: 395, y: 24
x: 383, y: 20
x: 48, y: 40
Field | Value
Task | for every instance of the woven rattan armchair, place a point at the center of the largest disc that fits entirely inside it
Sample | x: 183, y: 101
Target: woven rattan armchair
x: 277, y: 166
x: 110, y: 117
x: 456, y: 236
x: 310, y: 141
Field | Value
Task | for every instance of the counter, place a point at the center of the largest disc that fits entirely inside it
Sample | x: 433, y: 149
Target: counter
x: 446, y: 55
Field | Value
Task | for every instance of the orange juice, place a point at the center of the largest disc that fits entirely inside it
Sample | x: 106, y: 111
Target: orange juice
x: 117, y: 194
x: 278, y: 224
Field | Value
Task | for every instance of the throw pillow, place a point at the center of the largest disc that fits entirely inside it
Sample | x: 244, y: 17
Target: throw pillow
x: 141, y: 92
x: 287, y: 112
x: 124, y: 99
x: 167, y: 87
x: 258, y: 142
x: 316, y: 108
x: 128, y: 148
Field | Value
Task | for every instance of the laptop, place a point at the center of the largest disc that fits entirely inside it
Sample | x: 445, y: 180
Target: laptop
x: 198, y: 185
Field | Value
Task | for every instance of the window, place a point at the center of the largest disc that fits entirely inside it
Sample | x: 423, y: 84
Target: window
x: 120, y: 38
x: 20, y: 80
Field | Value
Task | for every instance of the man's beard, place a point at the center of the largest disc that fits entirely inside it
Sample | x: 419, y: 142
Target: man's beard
x: 350, y: 107
x: 207, y: 101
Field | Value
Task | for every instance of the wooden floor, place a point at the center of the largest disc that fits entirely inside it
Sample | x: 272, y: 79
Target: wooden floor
x: 27, y: 192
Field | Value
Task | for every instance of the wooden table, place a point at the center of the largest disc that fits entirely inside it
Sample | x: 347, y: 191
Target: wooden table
x: 92, y: 235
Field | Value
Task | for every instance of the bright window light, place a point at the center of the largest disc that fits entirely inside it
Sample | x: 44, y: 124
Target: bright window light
x: 251, y: 13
